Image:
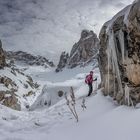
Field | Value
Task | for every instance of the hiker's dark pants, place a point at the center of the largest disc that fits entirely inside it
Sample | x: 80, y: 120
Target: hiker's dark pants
x: 90, y: 89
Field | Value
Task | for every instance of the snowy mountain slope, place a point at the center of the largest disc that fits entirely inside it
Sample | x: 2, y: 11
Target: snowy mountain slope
x: 26, y: 59
x: 58, y: 83
x: 17, y: 90
x: 103, y: 119
x: 47, y: 117
x: 49, y: 75
x: 47, y: 27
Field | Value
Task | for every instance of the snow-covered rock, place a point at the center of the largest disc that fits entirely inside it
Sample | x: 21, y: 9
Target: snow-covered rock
x: 119, y: 55
x: 50, y: 96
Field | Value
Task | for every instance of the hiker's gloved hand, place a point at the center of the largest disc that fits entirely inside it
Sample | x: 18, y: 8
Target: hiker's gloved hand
x: 95, y: 79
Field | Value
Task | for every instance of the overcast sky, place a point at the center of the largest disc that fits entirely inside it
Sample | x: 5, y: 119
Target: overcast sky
x: 48, y: 27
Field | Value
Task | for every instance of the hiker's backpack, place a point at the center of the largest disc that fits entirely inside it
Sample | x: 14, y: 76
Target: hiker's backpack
x: 87, y: 79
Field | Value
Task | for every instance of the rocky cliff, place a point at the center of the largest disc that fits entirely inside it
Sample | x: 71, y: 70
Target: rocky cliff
x: 83, y: 52
x: 119, y: 55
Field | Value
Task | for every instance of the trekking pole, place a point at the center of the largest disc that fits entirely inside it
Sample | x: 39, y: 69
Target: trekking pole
x: 96, y: 85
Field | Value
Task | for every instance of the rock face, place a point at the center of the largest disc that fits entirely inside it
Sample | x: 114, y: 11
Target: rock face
x: 119, y: 56
x: 83, y: 52
x: 2, y: 57
x: 29, y: 59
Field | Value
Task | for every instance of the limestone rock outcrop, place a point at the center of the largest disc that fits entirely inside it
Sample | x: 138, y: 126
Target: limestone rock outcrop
x: 119, y: 55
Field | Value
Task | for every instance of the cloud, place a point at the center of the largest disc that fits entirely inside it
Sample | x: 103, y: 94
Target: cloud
x: 44, y: 26
x: 114, y: 3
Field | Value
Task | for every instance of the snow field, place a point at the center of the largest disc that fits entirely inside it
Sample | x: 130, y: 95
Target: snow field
x: 103, y: 119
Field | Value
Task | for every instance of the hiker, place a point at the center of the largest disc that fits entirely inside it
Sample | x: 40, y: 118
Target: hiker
x: 89, y: 80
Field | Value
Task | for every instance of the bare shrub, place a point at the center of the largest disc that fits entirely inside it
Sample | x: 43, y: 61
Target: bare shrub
x: 71, y: 103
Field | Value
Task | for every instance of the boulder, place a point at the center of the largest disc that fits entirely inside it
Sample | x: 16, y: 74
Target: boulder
x: 9, y: 99
x: 12, y: 102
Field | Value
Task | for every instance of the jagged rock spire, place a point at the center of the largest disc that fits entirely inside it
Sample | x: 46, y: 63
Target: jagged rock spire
x: 63, y: 61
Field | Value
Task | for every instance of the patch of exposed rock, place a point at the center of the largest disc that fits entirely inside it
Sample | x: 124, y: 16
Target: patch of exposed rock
x: 9, y: 99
